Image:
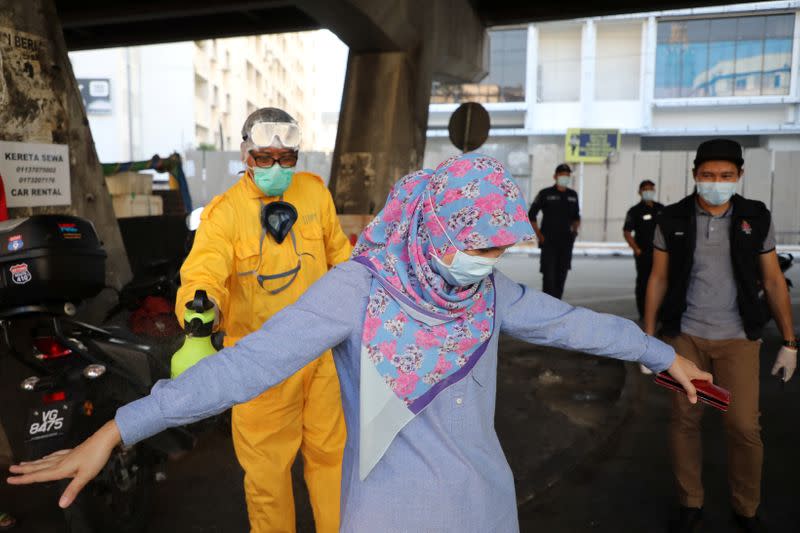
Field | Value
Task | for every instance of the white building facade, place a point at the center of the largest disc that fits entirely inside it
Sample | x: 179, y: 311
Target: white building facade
x: 158, y: 99
x: 666, y: 80
x: 655, y: 76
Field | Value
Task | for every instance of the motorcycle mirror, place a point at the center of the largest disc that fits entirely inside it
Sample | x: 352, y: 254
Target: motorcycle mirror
x: 193, y: 219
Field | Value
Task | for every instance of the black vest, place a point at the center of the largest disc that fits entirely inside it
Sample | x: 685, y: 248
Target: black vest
x: 749, y: 227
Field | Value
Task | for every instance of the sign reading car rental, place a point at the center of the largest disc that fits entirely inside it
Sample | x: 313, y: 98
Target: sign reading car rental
x: 590, y: 145
x: 35, y: 175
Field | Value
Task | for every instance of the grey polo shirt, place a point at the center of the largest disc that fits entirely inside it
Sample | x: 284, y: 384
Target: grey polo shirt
x: 711, y: 308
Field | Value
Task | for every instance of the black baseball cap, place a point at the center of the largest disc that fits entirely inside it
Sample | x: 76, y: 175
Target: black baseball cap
x: 563, y: 167
x: 719, y: 150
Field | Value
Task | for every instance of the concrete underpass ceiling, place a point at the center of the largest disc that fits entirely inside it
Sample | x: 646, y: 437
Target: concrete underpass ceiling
x: 102, y: 23
x: 504, y: 12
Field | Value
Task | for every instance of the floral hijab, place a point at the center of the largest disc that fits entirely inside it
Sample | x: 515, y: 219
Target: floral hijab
x: 420, y: 334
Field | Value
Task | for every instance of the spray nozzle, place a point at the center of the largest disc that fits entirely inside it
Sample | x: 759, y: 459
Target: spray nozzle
x: 199, y: 317
x: 201, y: 302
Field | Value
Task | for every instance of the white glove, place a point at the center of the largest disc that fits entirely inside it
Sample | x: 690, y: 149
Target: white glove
x: 787, y: 358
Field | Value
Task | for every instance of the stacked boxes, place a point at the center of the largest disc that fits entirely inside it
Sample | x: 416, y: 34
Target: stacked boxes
x: 132, y: 195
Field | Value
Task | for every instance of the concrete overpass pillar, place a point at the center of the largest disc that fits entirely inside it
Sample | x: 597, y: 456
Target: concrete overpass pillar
x: 382, y: 126
x: 40, y: 103
x: 384, y: 115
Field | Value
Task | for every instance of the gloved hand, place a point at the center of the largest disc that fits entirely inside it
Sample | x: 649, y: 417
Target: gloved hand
x: 787, y: 358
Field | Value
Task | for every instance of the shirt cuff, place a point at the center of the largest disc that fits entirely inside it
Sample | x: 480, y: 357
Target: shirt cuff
x: 658, y: 356
x: 139, y: 420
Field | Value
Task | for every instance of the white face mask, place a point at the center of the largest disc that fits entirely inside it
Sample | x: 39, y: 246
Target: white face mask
x: 465, y: 269
x: 564, y: 181
x: 648, y: 196
x: 716, y: 192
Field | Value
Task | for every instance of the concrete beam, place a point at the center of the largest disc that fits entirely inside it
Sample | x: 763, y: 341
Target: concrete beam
x: 41, y: 103
x: 366, y: 25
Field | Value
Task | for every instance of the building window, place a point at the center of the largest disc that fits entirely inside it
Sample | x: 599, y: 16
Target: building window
x: 559, y: 68
x: 618, y: 59
x: 733, y: 56
x: 508, y: 52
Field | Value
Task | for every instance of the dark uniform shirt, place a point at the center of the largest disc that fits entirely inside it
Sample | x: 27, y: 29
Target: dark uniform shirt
x: 641, y: 220
x: 559, y: 211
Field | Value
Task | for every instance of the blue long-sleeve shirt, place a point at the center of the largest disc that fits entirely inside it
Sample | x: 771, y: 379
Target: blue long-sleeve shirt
x: 445, y: 471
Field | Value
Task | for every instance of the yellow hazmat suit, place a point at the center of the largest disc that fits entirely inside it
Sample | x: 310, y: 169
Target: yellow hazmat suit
x: 304, y: 412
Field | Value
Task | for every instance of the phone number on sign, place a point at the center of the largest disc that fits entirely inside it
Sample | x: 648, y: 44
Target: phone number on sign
x: 30, y: 181
x: 37, y: 170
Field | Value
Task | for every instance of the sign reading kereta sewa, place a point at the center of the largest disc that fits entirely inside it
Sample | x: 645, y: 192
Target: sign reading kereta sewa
x: 590, y: 145
x: 35, y: 175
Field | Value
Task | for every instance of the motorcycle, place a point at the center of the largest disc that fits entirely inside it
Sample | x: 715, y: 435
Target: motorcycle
x: 76, y: 374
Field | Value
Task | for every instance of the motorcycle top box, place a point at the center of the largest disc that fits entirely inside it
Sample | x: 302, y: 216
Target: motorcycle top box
x: 49, y: 258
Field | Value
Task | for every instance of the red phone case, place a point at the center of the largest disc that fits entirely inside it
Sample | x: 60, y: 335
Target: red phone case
x: 707, y: 392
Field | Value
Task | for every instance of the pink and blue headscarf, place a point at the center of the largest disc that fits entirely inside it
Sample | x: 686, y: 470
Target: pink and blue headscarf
x: 420, y: 334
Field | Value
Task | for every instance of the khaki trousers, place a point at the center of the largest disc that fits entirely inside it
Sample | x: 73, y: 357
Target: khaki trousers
x: 734, y: 364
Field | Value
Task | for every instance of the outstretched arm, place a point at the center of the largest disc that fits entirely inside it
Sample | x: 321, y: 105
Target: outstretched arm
x: 535, y: 317
x: 323, y: 317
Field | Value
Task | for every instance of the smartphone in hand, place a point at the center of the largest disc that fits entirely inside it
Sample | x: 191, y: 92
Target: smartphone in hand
x: 707, y: 392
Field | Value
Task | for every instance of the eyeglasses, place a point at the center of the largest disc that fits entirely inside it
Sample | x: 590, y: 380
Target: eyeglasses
x: 267, y: 161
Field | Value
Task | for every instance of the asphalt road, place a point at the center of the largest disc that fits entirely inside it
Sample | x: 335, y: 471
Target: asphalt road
x: 626, y: 485
x: 623, y: 486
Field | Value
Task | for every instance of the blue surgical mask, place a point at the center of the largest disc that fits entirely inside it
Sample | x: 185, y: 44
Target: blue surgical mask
x: 564, y: 181
x: 716, y: 192
x: 272, y: 181
x: 465, y: 269
x: 649, y: 196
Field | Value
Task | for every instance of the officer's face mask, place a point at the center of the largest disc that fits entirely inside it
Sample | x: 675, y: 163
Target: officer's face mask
x: 565, y: 180
x: 649, y: 195
x: 465, y: 269
x: 716, y: 192
x: 272, y: 181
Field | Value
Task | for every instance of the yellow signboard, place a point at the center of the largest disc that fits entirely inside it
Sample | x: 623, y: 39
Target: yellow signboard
x: 590, y: 145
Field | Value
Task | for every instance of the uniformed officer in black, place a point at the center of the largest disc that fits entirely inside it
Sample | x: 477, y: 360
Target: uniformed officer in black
x: 639, y: 229
x: 561, y: 219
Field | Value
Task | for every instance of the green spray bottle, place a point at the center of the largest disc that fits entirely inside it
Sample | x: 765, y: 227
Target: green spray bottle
x: 198, y: 323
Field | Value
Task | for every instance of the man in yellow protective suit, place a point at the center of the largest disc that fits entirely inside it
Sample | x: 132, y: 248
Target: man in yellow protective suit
x: 259, y: 246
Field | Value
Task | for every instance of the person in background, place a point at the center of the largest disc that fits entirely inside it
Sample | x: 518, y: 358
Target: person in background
x: 251, y: 274
x: 639, y: 229
x: 560, y: 222
x: 713, y: 250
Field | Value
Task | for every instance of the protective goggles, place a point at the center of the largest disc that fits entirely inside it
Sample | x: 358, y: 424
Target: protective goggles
x: 277, y: 220
x: 275, y: 135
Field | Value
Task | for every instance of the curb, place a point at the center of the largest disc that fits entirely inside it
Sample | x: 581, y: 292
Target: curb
x: 566, y: 461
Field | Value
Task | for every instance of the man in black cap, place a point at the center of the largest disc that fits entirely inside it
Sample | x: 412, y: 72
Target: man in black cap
x: 561, y: 219
x: 639, y: 228
x: 714, y: 250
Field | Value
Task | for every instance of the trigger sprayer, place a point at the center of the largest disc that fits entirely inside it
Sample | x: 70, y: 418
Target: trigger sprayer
x: 198, y: 323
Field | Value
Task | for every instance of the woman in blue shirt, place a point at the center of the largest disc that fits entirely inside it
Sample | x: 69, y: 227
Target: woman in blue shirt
x: 414, y: 321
